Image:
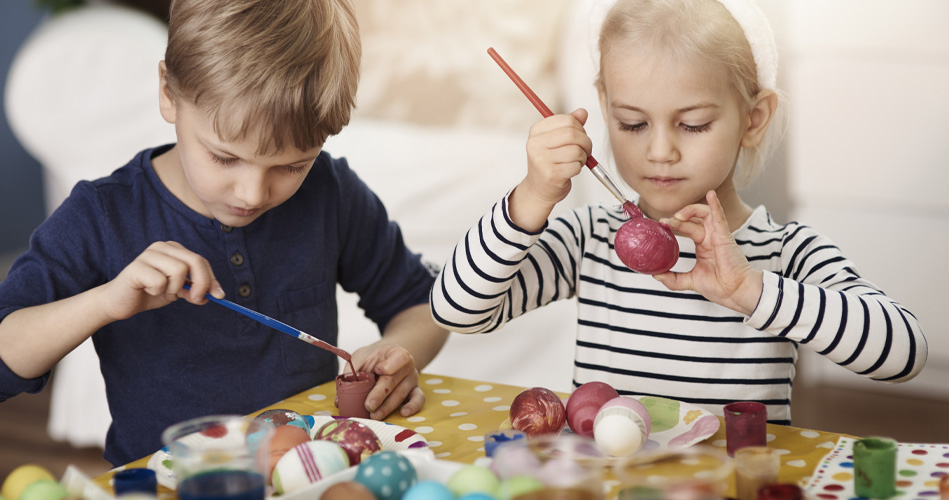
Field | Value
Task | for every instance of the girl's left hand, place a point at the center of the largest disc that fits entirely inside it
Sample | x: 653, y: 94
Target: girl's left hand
x: 722, y: 273
x: 396, y: 379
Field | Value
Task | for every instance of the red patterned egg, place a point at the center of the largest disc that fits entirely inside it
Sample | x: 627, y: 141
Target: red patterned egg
x: 356, y: 438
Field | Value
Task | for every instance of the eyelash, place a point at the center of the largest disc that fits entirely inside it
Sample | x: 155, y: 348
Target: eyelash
x: 230, y: 161
x: 692, y: 129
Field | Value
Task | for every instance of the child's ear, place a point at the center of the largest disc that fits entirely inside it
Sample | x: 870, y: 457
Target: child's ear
x: 760, y: 115
x: 166, y: 104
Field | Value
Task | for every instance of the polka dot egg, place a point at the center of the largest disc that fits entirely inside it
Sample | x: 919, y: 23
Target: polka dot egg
x: 387, y: 475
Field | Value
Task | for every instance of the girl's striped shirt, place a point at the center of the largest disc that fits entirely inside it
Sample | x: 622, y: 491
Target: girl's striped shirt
x: 643, y: 339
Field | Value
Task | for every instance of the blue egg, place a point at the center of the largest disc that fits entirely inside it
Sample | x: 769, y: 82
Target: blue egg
x: 428, y: 490
x: 387, y: 475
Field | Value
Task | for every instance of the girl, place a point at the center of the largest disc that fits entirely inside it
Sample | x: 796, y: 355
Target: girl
x: 687, y: 88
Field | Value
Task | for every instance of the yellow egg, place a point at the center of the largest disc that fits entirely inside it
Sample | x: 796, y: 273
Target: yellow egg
x: 20, y: 478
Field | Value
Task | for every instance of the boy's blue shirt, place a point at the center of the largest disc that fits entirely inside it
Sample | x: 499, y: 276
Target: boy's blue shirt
x: 181, y: 361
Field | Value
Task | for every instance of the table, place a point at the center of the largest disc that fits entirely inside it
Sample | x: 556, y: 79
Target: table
x: 459, y: 412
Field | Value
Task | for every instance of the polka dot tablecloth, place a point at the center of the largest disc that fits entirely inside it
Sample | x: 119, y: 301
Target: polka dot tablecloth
x: 459, y: 412
x: 918, y: 470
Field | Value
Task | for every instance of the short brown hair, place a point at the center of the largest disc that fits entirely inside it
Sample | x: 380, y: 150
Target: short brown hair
x: 286, y: 68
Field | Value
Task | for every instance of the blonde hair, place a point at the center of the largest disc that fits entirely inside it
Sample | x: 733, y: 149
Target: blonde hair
x: 286, y: 68
x: 695, y: 30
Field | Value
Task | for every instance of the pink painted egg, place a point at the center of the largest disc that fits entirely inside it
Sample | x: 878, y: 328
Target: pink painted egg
x: 583, y: 404
x: 356, y: 438
x: 537, y: 411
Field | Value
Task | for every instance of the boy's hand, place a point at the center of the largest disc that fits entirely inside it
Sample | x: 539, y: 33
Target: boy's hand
x: 722, y: 273
x: 396, y: 379
x: 156, y: 278
x: 557, y: 148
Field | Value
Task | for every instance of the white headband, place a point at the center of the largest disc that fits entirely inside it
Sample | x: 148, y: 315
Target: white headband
x: 749, y: 16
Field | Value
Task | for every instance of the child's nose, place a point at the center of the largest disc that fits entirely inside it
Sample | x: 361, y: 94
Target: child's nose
x: 252, y: 189
x: 662, y: 147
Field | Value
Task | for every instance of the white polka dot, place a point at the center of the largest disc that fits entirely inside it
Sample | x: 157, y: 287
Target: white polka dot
x: 423, y: 429
x: 501, y: 408
x: 403, y: 485
x: 403, y: 466
x: 609, y: 485
x: 691, y: 461
x: 719, y: 442
x: 386, y: 490
x: 705, y: 474
x: 316, y: 397
x: 476, y: 439
x: 434, y: 444
x: 796, y: 463
x: 450, y: 402
x: 492, y: 399
x: 467, y: 427
x: 387, y: 471
x: 810, y: 434
x: 483, y: 388
x: 458, y: 414
x: 416, y: 419
x: 443, y: 455
x: 434, y: 381
x: 370, y: 471
x: 827, y: 444
x: 782, y: 452
x: 322, y: 413
x: 481, y: 449
x: 442, y: 391
x: 771, y: 437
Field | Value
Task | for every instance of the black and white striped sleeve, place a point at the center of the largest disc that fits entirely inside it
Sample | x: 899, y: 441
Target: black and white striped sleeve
x: 820, y: 301
x: 499, y: 271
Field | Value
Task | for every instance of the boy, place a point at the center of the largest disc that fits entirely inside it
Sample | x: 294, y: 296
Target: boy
x: 245, y: 205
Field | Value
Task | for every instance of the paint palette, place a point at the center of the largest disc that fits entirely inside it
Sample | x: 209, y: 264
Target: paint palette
x: 919, y: 467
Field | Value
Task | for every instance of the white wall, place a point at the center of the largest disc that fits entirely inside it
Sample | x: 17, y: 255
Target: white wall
x: 868, y: 83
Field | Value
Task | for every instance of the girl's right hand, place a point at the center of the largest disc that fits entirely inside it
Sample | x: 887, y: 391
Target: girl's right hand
x: 156, y: 278
x: 557, y: 149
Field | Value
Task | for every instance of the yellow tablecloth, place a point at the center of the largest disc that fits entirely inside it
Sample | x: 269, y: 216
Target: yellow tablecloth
x: 459, y: 412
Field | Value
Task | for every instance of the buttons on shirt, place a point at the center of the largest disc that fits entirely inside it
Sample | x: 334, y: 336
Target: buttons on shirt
x: 226, y: 228
x: 244, y: 291
x: 237, y: 259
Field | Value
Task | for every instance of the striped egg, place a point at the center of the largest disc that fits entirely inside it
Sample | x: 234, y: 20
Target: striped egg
x: 307, y: 463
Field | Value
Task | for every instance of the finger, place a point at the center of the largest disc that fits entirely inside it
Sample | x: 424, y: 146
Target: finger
x: 717, y: 212
x: 581, y: 115
x: 675, y: 281
x: 693, y: 211
x: 414, y: 404
x: 196, y: 269
x: 395, y: 398
x: 693, y: 229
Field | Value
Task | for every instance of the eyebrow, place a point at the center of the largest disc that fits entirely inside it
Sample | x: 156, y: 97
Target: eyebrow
x: 701, y: 105
x: 225, y: 151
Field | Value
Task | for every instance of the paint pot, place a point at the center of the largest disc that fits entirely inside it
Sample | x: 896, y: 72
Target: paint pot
x: 138, y: 480
x: 783, y: 491
x: 874, y: 467
x: 694, y: 473
x: 745, y: 425
x: 351, y: 392
x: 494, y: 439
x: 755, y: 467
x: 944, y: 487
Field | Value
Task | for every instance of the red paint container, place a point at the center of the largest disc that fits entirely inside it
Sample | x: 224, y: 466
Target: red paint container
x: 351, y: 392
x: 745, y: 425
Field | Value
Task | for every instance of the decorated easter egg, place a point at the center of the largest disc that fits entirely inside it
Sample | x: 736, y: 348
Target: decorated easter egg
x: 280, y: 417
x: 387, y: 474
x: 538, y: 411
x: 583, y: 404
x: 514, y: 459
x: 518, y: 485
x: 21, y: 477
x: 284, y: 439
x: 429, y: 490
x: 347, y: 490
x: 621, y: 426
x: 308, y: 463
x: 44, y: 489
x: 356, y: 438
x: 473, y: 479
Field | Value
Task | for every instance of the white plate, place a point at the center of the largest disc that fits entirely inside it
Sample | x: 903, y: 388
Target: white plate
x: 392, y: 437
x: 675, y: 425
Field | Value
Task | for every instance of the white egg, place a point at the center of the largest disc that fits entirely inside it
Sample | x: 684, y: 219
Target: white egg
x: 619, y: 431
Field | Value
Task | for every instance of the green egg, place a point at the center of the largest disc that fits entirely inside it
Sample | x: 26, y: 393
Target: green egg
x: 44, y: 489
x: 518, y: 485
x: 473, y: 479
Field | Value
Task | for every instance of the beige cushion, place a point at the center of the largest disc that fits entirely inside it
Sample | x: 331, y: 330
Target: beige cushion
x: 426, y: 62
